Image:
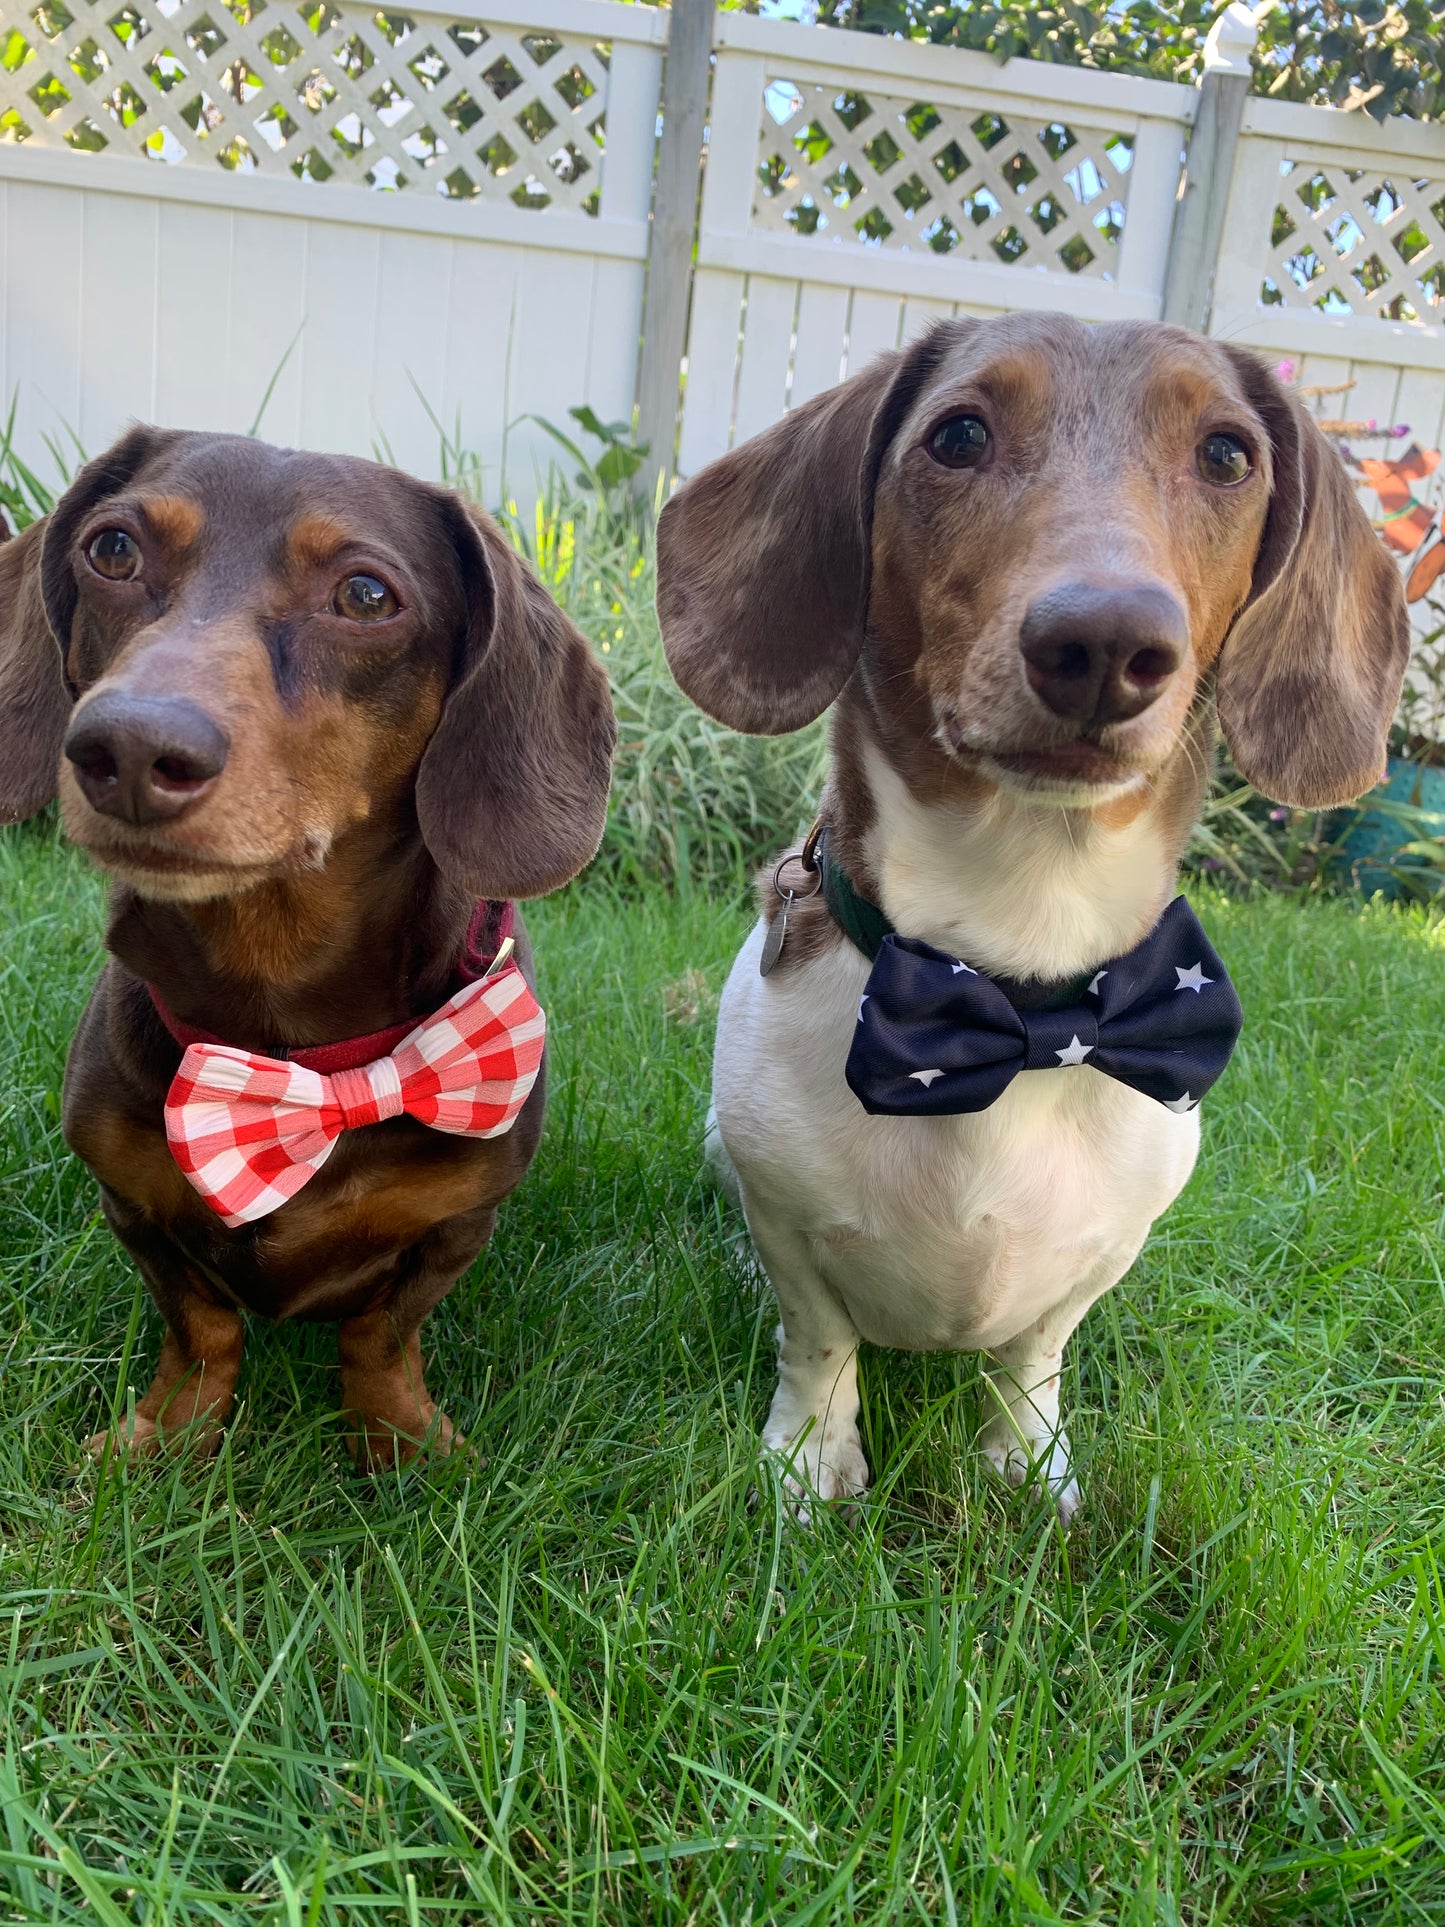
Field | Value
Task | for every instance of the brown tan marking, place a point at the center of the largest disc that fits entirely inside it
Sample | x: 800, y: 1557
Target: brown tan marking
x: 176, y: 519
x: 315, y: 540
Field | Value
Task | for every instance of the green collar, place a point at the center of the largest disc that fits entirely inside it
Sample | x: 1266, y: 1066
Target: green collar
x: 865, y: 926
x: 862, y: 922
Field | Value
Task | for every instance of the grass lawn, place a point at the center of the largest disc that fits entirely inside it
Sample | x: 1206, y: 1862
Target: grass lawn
x: 590, y: 1677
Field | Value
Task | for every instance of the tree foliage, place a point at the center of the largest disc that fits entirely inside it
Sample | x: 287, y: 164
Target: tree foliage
x: 1386, y: 59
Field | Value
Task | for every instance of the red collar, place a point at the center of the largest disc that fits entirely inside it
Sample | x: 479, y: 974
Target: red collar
x: 491, y: 925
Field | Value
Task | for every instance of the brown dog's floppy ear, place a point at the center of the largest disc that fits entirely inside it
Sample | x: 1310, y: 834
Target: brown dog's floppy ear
x: 34, y: 701
x: 1311, y: 670
x: 763, y: 558
x: 512, y: 790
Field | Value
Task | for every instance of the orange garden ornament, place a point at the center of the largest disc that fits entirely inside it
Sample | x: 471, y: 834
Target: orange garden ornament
x: 1405, y: 522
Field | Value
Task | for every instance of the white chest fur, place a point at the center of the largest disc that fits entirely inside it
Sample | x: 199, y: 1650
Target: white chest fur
x: 955, y: 1232
x: 1019, y: 888
x: 935, y: 1232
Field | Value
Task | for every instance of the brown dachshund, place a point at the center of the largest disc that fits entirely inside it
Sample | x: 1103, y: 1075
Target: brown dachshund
x: 321, y: 725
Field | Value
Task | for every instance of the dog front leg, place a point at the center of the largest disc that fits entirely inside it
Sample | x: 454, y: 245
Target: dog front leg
x: 195, y: 1381
x: 383, y: 1387
x: 1024, y: 1433
x: 813, y: 1422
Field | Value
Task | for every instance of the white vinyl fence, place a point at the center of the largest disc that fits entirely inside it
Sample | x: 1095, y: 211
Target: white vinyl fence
x: 859, y: 188
x: 389, y: 225
x: 1334, y: 254
x: 407, y: 214
x: 856, y: 188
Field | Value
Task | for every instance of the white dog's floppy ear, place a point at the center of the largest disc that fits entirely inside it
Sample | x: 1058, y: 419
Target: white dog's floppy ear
x: 1311, y: 671
x: 763, y: 558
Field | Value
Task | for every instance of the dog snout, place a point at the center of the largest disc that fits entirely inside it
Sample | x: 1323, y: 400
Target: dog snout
x: 1103, y: 652
x: 144, y: 759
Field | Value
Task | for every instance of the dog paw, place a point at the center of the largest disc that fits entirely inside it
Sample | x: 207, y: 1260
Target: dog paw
x: 382, y: 1445
x: 135, y: 1437
x: 1044, y: 1461
x: 139, y: 1437
x: 819, y: 1462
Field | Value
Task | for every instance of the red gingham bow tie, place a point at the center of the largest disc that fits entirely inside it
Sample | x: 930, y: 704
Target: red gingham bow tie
x: 249, y: 1131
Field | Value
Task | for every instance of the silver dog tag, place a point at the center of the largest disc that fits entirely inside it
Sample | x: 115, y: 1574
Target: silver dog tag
x: 773, y: 942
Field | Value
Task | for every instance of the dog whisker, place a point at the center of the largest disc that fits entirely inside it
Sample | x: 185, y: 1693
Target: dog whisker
x: 1022, y: 820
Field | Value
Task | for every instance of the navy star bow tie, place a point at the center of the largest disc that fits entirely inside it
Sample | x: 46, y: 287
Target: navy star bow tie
x: 935, y: 1037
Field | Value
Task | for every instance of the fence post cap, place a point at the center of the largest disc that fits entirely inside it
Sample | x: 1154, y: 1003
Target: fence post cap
x: 1229, y: 48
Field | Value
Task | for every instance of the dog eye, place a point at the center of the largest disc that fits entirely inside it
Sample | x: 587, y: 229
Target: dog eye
x: 363, y: 598
x: 960, y: 442
x: 114, y: 555
x: 1223, y: 460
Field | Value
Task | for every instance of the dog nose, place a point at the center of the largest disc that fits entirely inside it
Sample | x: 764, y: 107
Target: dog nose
x: 144, y: 758
x: 1102, y: 652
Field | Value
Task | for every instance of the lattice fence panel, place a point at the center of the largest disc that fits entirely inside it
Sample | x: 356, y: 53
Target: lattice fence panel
x: 1354, y: 243
x: 401, y: 101
x: 886, y: 171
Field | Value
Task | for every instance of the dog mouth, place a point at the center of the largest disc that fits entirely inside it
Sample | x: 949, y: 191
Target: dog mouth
x: 156, y: 869
x: 1087, y: 767
x: 183, y: 875
x: 181, y: 862
x: 1080, y: 764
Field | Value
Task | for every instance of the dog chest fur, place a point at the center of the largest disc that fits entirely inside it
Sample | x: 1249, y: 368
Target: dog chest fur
x: 953, y: 1232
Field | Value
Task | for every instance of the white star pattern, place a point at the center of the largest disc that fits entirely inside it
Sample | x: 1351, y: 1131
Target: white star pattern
x: 1192, y: 979
x: 925, y: 1078
x: 861, y: 1001
x: 1099, y: 976
x: 1181, y: 1104
x: 1075, y: 1053
x: 963, y: 966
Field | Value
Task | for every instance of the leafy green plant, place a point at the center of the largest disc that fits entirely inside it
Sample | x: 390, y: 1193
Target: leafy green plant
x: 619, y: 461
x: 1245, y: 838
x: 607, y: 478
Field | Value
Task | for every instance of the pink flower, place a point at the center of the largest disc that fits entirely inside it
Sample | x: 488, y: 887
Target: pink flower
x: 1285, y: 371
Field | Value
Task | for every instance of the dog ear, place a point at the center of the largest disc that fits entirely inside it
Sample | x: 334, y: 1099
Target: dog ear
x: 1311, y: 670
x: 512, y: 789
x: 34, y: 701
x: 764, y: 557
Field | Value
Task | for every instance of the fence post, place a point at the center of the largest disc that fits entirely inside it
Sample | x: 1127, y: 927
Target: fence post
x: 1209, y: 168
x: 674, y: 223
